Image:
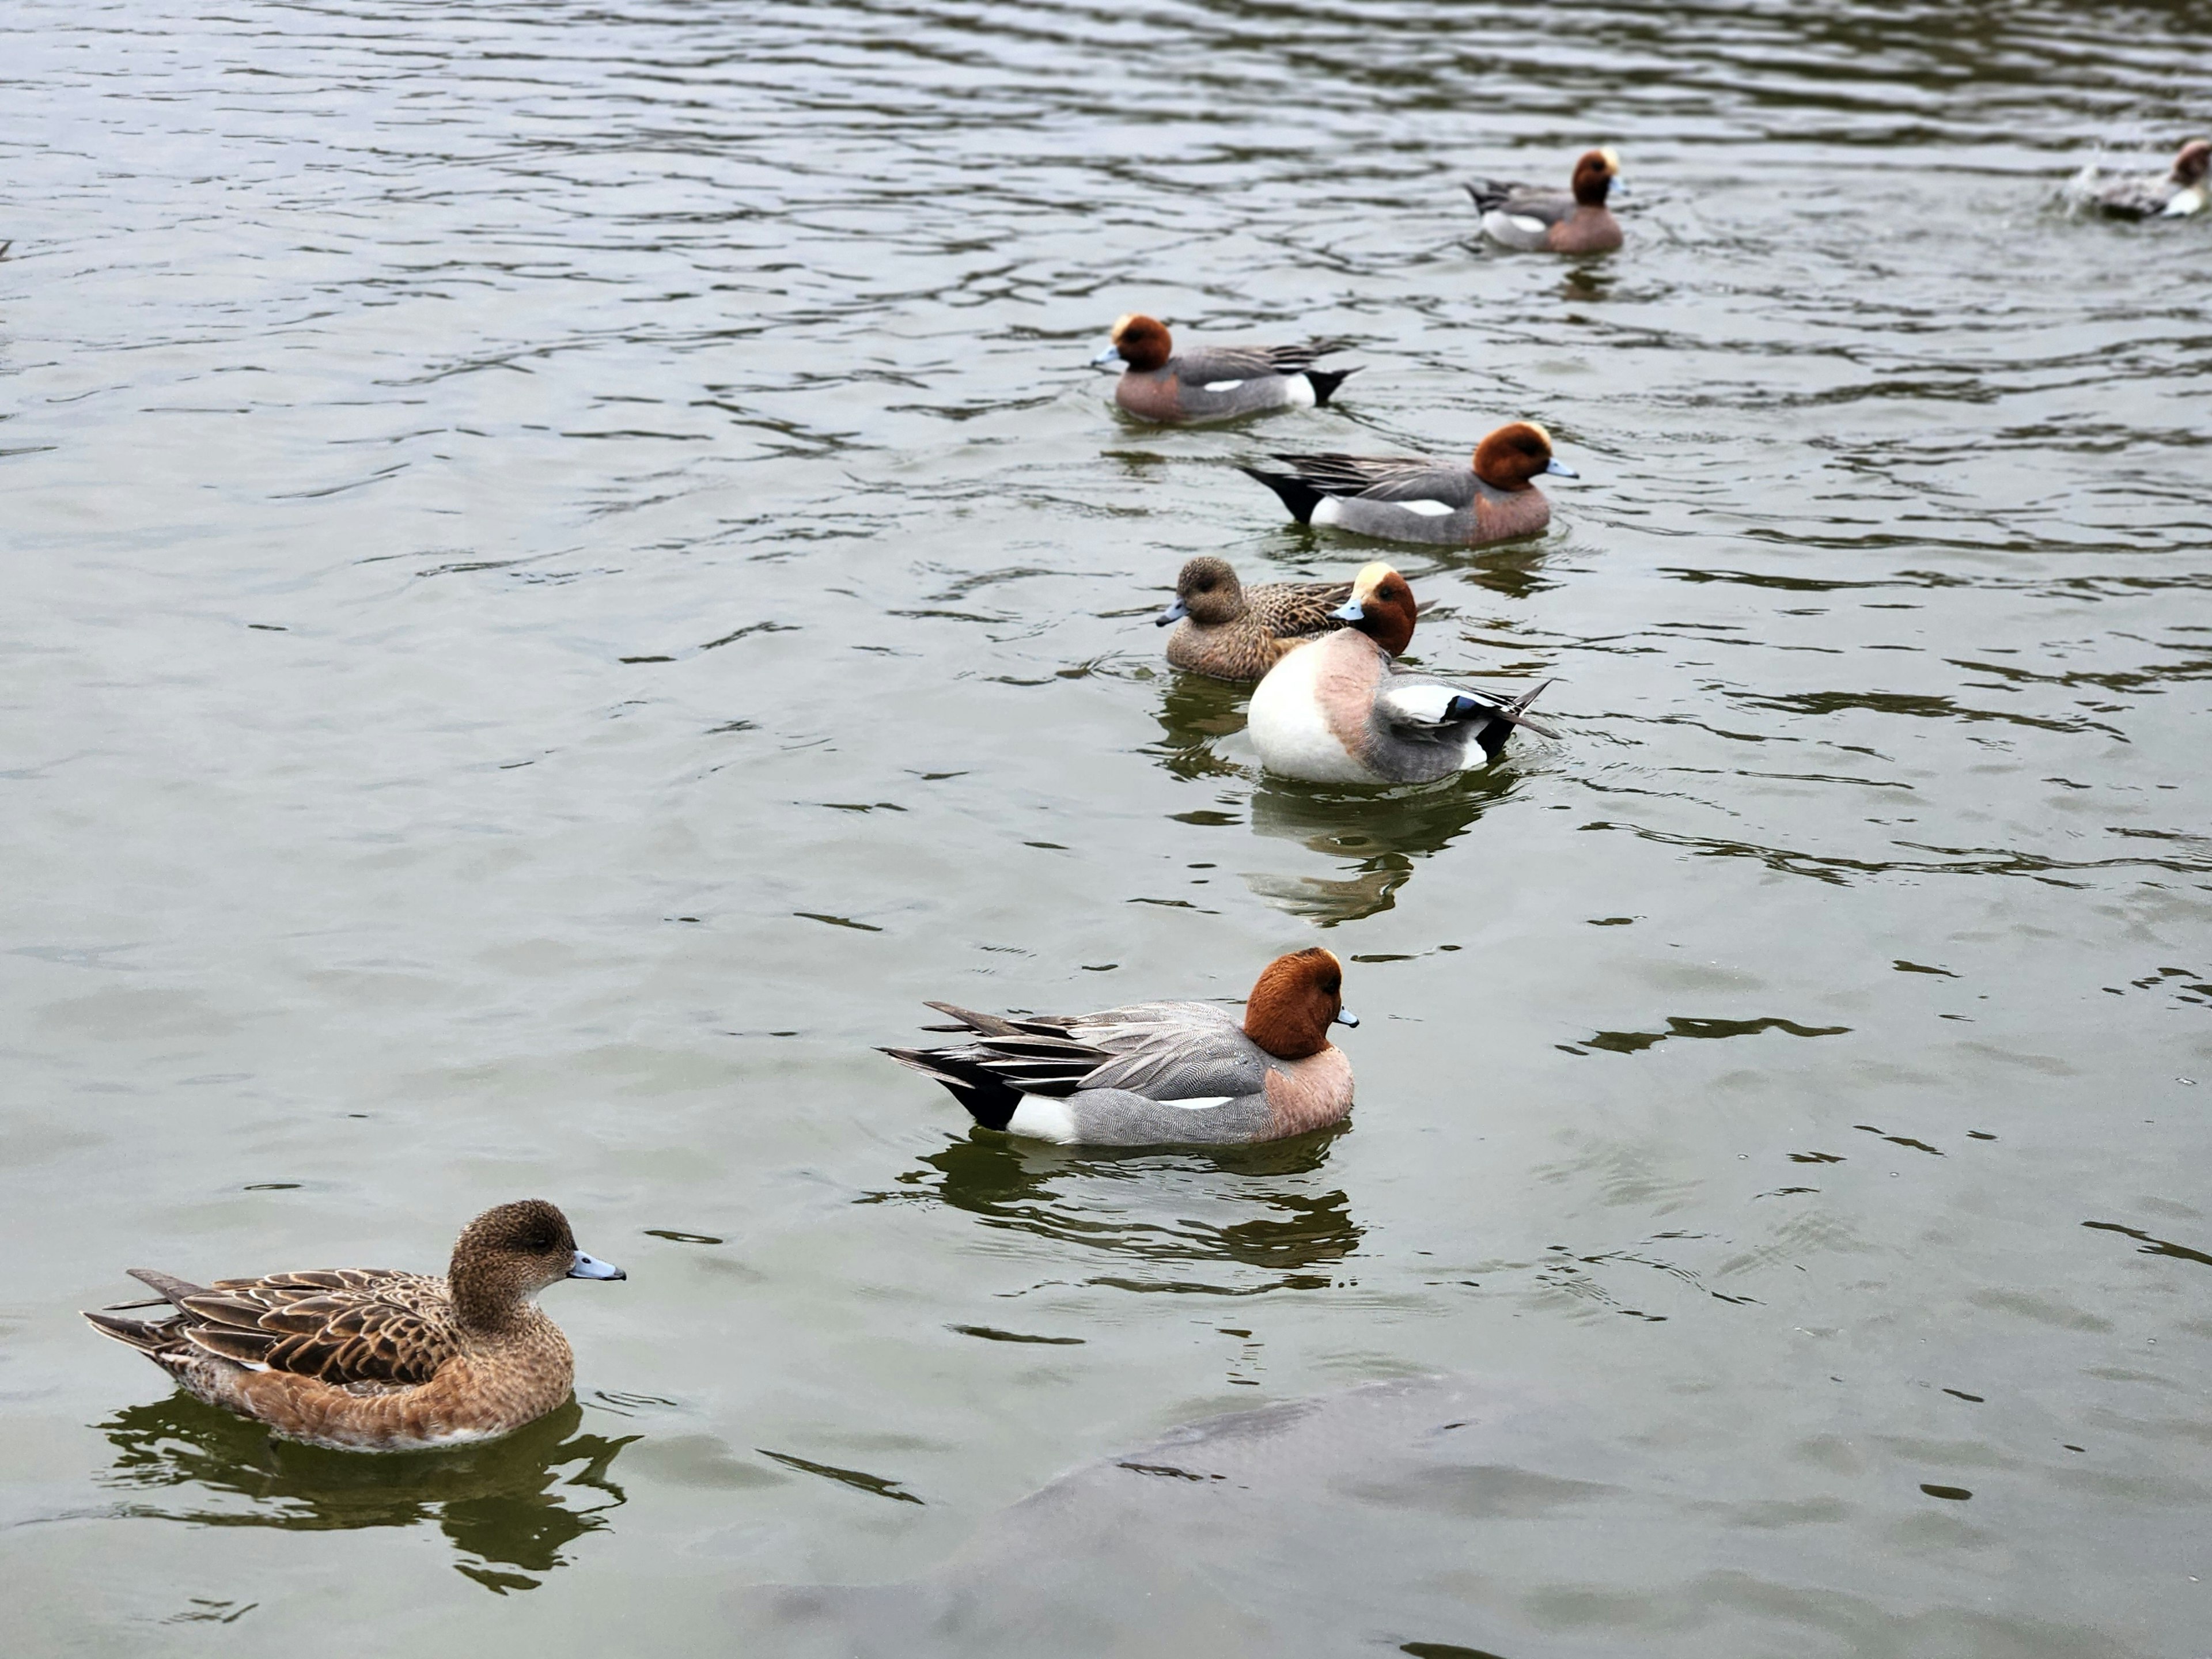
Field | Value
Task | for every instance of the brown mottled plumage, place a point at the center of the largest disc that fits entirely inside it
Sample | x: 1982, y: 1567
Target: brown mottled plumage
x: 1231, y: 632
x: 371, y: 1359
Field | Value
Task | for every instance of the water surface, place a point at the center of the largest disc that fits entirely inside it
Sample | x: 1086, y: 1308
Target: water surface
x: 563, y: 571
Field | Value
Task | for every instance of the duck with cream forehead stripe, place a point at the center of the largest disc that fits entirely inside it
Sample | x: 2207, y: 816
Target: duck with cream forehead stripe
x: 1414, y: 499
x: 1158, y: 1073
x: 369, y: 1359
x: 1341, y: 710
x: 1214, y: 383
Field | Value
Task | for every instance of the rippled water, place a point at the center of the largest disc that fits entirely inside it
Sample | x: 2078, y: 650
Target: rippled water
x: 563, y: 571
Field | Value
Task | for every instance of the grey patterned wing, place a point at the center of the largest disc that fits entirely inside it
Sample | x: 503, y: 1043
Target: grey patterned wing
x: 1198, y: 1052
x: 1230, y: 363
x: 1336, y: 474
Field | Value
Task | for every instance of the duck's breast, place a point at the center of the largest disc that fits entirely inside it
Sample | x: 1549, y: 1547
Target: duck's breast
x: 1501, y: 514
x: 1309, y: 717
x: 1152, y: 395
x: 1308, y: 1094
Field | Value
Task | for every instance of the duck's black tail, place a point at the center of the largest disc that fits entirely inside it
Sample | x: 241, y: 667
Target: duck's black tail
x: 1298, y: 495
x: 990, y: 1100
x: 1326, y: 381
x: 1488, y: 193
x: 1502, y: 722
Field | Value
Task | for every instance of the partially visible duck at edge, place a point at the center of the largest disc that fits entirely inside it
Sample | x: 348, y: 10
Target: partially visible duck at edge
x: 1215, y: 383
x: 1158, y: 1073
x: 1231, y: 632
x: 1341, y: 710
x: 1573, y: 220
x: 2141, y: 195
x: 371, y: 1359
x: 1414, y: 499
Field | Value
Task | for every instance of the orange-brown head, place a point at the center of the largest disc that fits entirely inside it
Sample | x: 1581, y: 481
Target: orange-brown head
x: 1515, y: 455
x: 1380, y: 606
x: 2193, y: 163
x: 1294, y: 1002
x: 1140, y: 342
x: 509, y: 1253
x: 1594, y: 177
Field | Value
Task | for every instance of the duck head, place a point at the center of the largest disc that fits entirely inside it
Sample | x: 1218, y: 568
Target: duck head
x: 1380, y: 606
x: 1515, y: 455
x: 1140, y: 342
x: 509, y: 1253
x: 1294, y: 1002
x: 2193, y: 163
x: 1594, y: 177
x: 1208, y: 593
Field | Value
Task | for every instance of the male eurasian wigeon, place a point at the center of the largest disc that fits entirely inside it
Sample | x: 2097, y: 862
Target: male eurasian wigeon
x: 371, y: 1359
x: 1159, y: 1074
x: 1414, y: 499
x: 1231, y: 632
x: 1574, y: 221
x: 1341, y: 711
x: 2139, y: 195
x: 1217, y: 383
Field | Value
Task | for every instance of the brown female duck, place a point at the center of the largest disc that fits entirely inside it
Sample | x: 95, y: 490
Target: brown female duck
x: 370, y: 1359
x: 1231, y: 632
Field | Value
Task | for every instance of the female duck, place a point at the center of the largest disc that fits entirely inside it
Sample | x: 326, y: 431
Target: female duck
x: 1220, y: 383
x: 2182, y: 190
x: 1574, y: 221
x: 1231, y: 632
x: 370, y: 1359
x: 1159, y: 1074
x: 1340, y: 711
x: 1412, y: 499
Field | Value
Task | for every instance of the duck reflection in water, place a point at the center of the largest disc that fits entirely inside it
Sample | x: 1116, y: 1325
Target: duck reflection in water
x: 511, y: 1507
x: 1378, y: 835
x: 1249, y: 1207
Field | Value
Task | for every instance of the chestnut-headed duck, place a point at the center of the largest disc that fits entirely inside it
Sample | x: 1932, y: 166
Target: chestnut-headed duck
x: 1231, y: 632
x: 1573, y: 220
x: 1341, y: 711
x: 1158, y: 1073
x: 1216, y: 383
x: 371, y: 1359
x: 2140, y: 195
x: 1414, y: 499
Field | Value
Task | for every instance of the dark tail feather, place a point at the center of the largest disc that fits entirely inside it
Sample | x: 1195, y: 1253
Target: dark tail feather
x: 988, y: 1026
x: 1487, y: 193
x: 1326, y: 381
x: 1493, y: 735
x: 1298, y: 495
x: 170, y: 1286
x: 989, y: 1100
x: 145, y: 1335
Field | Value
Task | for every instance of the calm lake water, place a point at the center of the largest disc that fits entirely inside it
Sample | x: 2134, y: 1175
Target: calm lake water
x: 564, y: 570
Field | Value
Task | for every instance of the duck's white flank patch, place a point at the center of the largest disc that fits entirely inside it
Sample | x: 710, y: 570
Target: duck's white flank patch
x: 2187, y: 201
x: 1199, y: 1103
x: 1327, y: 511
x: 1424, y: 703
x: 1042, y: 1117
x: 1526, y: 225
x: 1298, y: 392
x: 1223, y: 385
x: 1425, y: 509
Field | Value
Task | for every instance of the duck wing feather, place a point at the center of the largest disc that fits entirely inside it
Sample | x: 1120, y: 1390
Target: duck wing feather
x: 341, y: 1325
x: 1297, y: 608
x: 1382, y: 477
x: 1548, y: 207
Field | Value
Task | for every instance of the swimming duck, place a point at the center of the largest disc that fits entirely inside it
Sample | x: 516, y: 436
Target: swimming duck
x: 1573, y: 221
x: 1219, y: 383
x: 1414, y: 499
x: 1158, y: 1073
x: 1232, y: 632
x: 1340, y: 711
x: 2140, y: 195
x: 370, y: 1359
